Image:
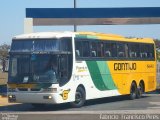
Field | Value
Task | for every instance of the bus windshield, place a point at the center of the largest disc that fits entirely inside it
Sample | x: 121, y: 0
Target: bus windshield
x: 33, y: 68
x: 35, y: 45
x: 40, y: 61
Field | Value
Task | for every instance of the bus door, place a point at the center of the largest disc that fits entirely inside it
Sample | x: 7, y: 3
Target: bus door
x: 65, y: 68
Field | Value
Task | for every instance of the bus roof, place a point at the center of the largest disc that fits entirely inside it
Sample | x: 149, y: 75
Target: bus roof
x: 44, y: 35
x: 113, y: 37
x: 88, y: 35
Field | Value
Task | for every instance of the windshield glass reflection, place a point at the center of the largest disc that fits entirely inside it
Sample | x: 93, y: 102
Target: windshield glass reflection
x: 33, y: 68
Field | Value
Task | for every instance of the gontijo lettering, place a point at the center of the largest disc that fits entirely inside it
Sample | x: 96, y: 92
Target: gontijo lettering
x: 124, y: 66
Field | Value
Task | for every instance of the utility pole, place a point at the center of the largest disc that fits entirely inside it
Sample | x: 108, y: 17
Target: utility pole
x: 75, y: 26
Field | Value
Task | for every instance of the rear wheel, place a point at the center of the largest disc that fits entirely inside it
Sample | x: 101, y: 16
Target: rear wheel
x: 158, y: 90
x: 133, y: 91
x: 80, y: 98
x: 140, y: 91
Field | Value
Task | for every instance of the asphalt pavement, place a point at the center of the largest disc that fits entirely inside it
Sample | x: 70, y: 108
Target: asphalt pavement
x: 93, y: 109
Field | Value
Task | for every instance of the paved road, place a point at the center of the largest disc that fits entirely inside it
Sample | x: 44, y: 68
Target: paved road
x: 149, y: 103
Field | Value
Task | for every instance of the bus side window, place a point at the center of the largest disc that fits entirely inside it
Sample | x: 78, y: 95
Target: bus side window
x: 94, y: 54
x: 134, y: 50
x: 147, y: 51
x: 143, y: 55
x: 78, y: 50
x: 97, y: 49
x: 82, y: 49
x: 110, y: 49
x: 78, y: 53
x: 107, y: 53
x: 121, y: 50
x: 150, y: 53
x: 100, y: 49
x: 94, y: 49
x: 85, y: 49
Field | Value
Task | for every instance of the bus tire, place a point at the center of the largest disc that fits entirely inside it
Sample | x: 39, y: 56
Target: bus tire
x: 140, y: 90
x: 133, y: 91
x: 80, y: 98
x: 158, y: 91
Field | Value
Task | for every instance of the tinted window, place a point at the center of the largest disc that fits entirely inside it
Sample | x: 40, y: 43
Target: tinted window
x: 151, y: 51
x: 66, y: 44
x: 94, y: 52
x: 110, y: 49
x: 22, y: 45
x: 78, y: 46
x: 51, y: 45
x: 134, y: 50
x: 82, y: 49
x: 122, y: 50
x: 147, y: 51
x: 100, y: 49
x: 46, y: 45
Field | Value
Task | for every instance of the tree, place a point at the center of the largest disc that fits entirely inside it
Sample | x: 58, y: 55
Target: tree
x: 4, y: 51
x: 157, y: 43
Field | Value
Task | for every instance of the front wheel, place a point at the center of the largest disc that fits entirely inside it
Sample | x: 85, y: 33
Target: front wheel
x: 80, y: 98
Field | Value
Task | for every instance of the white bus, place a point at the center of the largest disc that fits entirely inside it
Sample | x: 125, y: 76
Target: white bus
x: 61, y: 67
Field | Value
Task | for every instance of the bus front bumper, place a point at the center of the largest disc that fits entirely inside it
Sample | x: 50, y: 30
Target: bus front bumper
x: 46, y: 98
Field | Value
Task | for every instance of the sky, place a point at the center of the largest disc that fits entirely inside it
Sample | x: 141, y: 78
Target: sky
x: 12, y: 14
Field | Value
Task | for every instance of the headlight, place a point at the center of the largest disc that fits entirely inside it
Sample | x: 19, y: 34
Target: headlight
x: 50, y: 90
x: 11, y: 98
x: 11, y: 89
